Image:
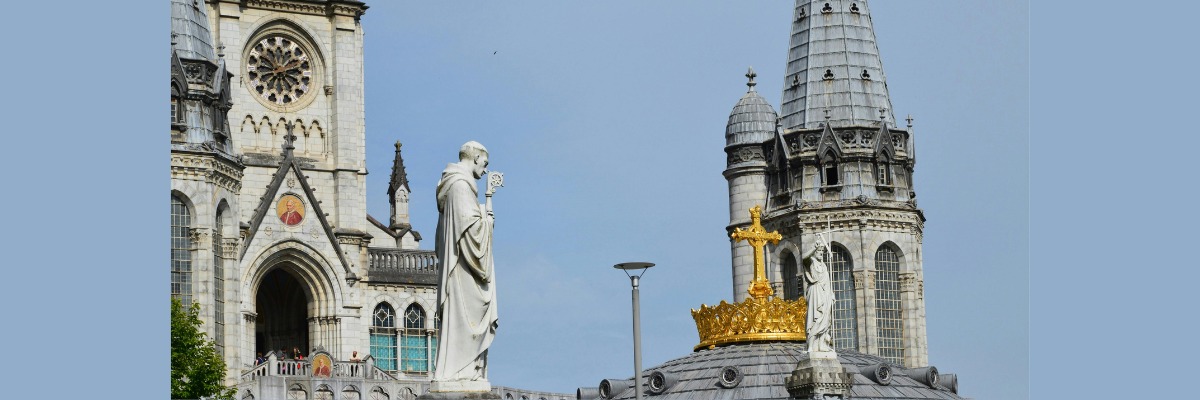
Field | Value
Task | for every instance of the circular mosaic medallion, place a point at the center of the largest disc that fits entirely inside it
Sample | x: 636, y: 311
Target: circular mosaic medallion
x: 290, y: 210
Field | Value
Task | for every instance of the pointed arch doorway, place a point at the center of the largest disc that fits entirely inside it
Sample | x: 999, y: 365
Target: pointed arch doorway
x: 282, y: 304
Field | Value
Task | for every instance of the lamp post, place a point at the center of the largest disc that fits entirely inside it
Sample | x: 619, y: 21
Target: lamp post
x: 640, y: 269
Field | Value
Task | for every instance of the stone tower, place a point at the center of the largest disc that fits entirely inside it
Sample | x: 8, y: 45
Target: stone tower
x: 834, y: 162
x: 206, y: 174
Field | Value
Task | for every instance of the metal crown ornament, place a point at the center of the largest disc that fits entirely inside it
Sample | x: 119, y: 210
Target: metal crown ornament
x: 762, y: 316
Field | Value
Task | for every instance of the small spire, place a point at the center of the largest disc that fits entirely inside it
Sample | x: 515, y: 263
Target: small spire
x: 909, y: 119
x: 399, y: 177
x: 288, y: 139
x: 750, y: 74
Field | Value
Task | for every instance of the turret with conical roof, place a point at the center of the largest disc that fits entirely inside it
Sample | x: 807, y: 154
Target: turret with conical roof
x: 834, y: 168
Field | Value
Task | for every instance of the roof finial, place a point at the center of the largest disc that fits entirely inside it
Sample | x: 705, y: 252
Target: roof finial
x: 750, y: 74
x: 220, y: 50
x: 288, y: 139
x: 909, y: 119
x: 398, y: 145
x: 883, y: 116
x: 826, y: 114
x: 173, y: 41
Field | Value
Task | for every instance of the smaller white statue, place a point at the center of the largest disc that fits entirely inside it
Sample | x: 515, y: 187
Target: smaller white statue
x: 819, y: 295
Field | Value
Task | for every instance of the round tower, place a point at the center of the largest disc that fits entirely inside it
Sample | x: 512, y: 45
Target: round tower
x: 751, y: 124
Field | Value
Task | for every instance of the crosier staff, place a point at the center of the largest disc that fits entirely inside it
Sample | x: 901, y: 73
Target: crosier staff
x: 495, y: 180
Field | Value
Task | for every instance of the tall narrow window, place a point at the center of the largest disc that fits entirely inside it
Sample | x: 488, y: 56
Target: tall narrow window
x: 793, y: 286
x: 218, y: 286
x: 883, y: 170
x: 383, y: 337
x: 415, y: 352
x: 433, y: 341
x: 888, y: 313
x: 181, y: 251
x: 845, y: 316
x: 829, y: 170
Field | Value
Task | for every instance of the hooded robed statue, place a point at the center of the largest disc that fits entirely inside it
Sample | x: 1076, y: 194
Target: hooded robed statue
x: 466, y: 297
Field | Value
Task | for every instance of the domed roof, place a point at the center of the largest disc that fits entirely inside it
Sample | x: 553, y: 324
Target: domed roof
x: 752, y: 119
x: 762, y: 369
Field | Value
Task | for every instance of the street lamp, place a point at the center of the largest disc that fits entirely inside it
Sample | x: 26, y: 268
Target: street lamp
x: 640, y: 269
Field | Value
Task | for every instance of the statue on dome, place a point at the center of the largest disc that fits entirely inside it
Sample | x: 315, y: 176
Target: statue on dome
x: 818, y: 293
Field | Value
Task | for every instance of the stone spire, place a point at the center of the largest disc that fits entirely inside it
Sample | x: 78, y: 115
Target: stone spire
x: 398, y: 191
x: 833, y: 64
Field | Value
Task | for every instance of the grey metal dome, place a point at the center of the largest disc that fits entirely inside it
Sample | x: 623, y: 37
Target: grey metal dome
x: 752, y: 119
x: 759, y: 369
x: 189, y: 24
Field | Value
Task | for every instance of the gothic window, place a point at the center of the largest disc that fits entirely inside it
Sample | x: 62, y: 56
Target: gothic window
x: 181, y: 251
x: 888, y: 312
x: 845, y: 317
x: 218, y: 286
x: 175, y: 114
x: 883, y: 170
x: 793, y: 286
x: 383, y: 337
x: 829, y: 170
x: 415, y: 343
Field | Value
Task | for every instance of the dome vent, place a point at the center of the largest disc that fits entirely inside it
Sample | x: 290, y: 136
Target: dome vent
x: 926, y: 375
x: 730, y: 377
x: 660, y: 381
x: 610, y: 388
x: 752, y: 119
x: 879, y: 373
x: 587, y: 394
x: 949, y: 381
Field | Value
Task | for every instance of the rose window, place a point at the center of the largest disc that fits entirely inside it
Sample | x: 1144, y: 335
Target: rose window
x: 279, y: 70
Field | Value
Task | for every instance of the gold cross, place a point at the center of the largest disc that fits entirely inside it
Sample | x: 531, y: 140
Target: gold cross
x: 758, y: 238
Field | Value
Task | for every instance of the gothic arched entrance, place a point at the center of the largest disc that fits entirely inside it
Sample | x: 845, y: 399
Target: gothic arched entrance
x: 282, y: 305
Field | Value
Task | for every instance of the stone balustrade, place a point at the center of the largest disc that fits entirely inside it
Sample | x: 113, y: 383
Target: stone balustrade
x: 402, y: 266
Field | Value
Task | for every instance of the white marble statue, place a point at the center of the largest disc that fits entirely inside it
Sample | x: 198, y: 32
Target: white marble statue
x: 467, y: 290
x: 819, y: 295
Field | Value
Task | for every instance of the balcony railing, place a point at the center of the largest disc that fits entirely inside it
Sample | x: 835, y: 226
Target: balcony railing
x: 402, y: 266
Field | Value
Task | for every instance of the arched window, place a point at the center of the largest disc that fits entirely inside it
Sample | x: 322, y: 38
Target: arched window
x: 883, y: 170
x: 383, y: 337
x: 793, y: 286
x: 218, y: 285
x: 888, y: 314
x: 845, y: 317
x: 416, y: 346
x: 829, y: 170
x: 181, y: 251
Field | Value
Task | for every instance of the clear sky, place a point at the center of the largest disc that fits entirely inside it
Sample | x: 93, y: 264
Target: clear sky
x: 608, y: 120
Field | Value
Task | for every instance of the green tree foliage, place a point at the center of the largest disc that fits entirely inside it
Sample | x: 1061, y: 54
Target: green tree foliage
x: 196, y: 368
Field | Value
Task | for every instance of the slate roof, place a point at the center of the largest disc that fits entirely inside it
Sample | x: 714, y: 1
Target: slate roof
x: 751, y: 121
x: 764, y: 367
x: 840, y: 40
x: 189, y: 22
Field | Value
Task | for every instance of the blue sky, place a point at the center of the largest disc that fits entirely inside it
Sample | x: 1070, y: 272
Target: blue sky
x: 608, y: 120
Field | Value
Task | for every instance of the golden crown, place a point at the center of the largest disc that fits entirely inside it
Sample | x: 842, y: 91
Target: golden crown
x: 755, y: 319
x: 762, y: 316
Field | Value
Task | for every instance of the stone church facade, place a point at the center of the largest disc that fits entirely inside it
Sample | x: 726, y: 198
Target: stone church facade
x: 270, y: 234
x: 834, y: 161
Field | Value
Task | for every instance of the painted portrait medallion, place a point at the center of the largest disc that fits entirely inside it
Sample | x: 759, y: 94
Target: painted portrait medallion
x: 290, y: 210
x: 322, y: 366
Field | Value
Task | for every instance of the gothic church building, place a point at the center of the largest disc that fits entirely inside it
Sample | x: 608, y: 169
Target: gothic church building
x: 269, y: 229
